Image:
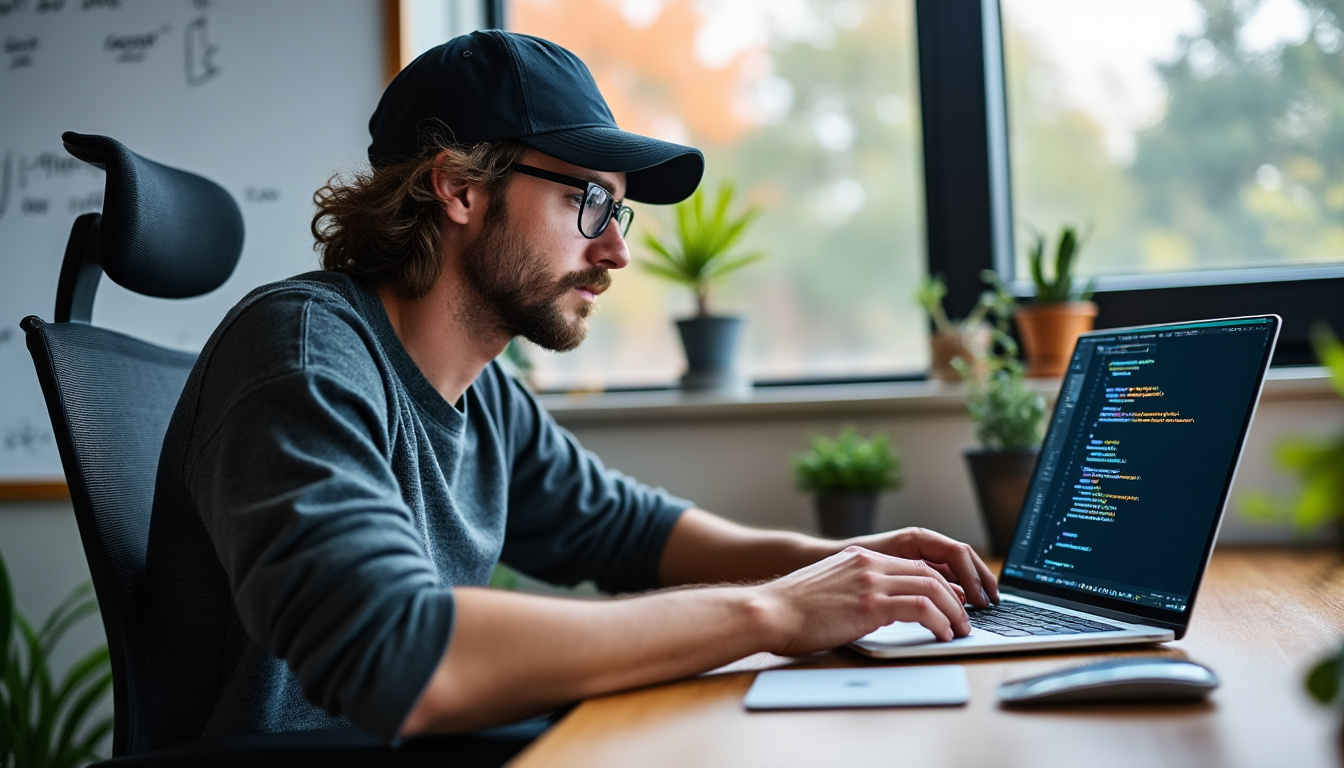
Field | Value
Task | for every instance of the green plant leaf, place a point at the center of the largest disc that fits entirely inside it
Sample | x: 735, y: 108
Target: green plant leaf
x: 704, y: 234
x: 1035, y: 255
x: 75, y: 607
x: 6, y: 617
x: 727, y: 266
x: 671, y: 274
x: 1260, y: 505
x: 79, y: 709
x: 848, y: 463
x: 89, y: 668
x: 40, y: 722
x: 1068, y: 248
x: 83, y: 750
x: 1329, y: 353
x: 1323, y: 679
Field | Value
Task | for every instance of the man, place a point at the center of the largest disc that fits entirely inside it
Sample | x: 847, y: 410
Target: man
x: 347, y: 463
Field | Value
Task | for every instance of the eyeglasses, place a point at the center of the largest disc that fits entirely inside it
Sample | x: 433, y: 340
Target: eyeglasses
x: 598, y: 207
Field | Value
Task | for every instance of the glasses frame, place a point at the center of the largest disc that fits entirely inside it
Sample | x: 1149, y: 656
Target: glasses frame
x: 623, y: 214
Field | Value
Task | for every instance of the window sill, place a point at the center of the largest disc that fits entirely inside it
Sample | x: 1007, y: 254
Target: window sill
x: 842, y: 400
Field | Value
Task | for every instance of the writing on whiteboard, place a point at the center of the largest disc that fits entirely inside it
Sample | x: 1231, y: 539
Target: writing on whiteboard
x: 201, y: 67
x: 20, y: 51
x: 133, y: 48
x: 261, y: 194
x: 26, y: 436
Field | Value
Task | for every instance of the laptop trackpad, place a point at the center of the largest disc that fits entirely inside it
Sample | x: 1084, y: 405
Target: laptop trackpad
x: 900, y: 633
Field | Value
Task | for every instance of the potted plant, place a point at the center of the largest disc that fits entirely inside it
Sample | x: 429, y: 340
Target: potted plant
x: 1062, y: 309
x: 1317, y: 462
x: 43, y: 722
x: 1319, y: 501
x: 847, y: 474
x: 967, y: 339
x: 699, y: 255
x: 1008, y: 418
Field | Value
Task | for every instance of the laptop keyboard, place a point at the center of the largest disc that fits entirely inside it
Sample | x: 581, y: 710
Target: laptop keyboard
x: 1017, y: 620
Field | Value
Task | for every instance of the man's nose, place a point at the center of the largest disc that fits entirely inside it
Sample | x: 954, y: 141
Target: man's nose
x: 608, y: 249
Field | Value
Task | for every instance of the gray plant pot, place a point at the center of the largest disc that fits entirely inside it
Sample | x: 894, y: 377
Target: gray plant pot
x: 711, y: 352
x: 1001, y: 479
x: 846, y: 515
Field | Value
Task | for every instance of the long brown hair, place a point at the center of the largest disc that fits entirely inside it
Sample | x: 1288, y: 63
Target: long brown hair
x: 385, y: 225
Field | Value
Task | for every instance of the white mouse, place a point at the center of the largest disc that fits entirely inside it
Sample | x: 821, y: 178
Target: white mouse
x: 1119, y: 680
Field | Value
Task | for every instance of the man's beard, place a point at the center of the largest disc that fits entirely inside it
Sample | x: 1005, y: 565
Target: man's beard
x: 514, y: 291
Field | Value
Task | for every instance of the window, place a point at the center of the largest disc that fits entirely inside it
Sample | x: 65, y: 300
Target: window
x: 1192, y: 137
x: 1199, y: 260
x: 812, y: 109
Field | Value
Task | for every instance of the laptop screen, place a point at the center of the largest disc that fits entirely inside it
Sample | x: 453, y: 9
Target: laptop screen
x: 1137, y: 463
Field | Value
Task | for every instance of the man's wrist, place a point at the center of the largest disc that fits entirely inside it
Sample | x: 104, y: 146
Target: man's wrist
x: 766, y: 615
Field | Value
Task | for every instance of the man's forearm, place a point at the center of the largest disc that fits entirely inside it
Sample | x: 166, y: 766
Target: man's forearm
x: 513, y: 655
x: 704, y: 548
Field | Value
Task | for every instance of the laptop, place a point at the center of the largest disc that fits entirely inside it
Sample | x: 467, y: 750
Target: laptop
x: 1129, y: 489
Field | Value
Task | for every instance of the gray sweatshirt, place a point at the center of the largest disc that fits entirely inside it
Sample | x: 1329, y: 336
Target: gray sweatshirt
x: 318, y: 500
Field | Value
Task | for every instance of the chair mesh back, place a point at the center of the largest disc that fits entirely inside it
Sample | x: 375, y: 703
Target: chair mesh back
x: 110, y: 397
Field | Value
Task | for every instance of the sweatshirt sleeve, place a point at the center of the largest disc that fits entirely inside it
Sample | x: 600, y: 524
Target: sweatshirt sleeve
x: 572, y: 518
x: 323, y: 559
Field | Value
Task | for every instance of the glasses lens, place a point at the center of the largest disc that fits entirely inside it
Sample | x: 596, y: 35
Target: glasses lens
x: 596, y: 211
x: 624, y: 215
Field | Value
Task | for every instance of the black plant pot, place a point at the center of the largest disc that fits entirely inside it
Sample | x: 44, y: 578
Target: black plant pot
x: 846, y: 515
x: 1001, y: 480
x: 711, y: 351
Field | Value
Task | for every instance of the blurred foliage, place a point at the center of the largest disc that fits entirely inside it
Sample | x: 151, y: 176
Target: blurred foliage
x: 1323, y: 679
x: 1245, y: 165
x: 930, y: 296
x: 819, y: 126
x: 1319, y: 500
x: 45, y: 723
x: 1006, y: 414
x: 848, y: 463
x: 1318, y: 462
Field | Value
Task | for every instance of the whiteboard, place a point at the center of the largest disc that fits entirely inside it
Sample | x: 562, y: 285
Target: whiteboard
x: 266, y: 98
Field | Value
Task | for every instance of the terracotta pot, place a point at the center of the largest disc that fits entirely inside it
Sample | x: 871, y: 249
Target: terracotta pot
x: 1049, y: 333
x: 1001, y: 479
x: 945, y: 346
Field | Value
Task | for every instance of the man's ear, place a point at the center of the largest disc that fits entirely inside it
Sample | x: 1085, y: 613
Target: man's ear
x: 462, y: 202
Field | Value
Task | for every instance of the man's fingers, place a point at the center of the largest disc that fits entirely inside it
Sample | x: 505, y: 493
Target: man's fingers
x: 924, y: 569
x: 939, y: 595
x: 967, y: 568
x: 921, y: 609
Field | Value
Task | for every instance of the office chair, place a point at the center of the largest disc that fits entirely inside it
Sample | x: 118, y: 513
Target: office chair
x: 166, y: 233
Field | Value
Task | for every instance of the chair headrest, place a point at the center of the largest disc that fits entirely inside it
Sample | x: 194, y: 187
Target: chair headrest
x: 164, y: 232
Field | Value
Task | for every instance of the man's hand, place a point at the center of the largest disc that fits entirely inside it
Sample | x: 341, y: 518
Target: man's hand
x: 852, y: 593
x: 955, y: 561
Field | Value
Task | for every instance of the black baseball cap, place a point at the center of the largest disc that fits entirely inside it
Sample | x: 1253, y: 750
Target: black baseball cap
x: 492, y: 85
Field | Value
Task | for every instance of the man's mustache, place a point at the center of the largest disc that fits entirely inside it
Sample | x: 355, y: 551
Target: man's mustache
x: 598, y: 278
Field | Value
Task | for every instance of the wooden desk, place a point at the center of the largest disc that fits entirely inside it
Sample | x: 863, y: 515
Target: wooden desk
x: 1262, y: 619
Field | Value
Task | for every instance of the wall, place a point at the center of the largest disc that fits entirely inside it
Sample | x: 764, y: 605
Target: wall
x: 736, y: 460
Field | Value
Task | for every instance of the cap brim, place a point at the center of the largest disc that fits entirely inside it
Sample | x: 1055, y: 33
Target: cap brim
x: 657, y: 172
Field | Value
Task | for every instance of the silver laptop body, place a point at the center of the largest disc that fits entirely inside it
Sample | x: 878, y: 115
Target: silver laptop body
x: 1128, y: 493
